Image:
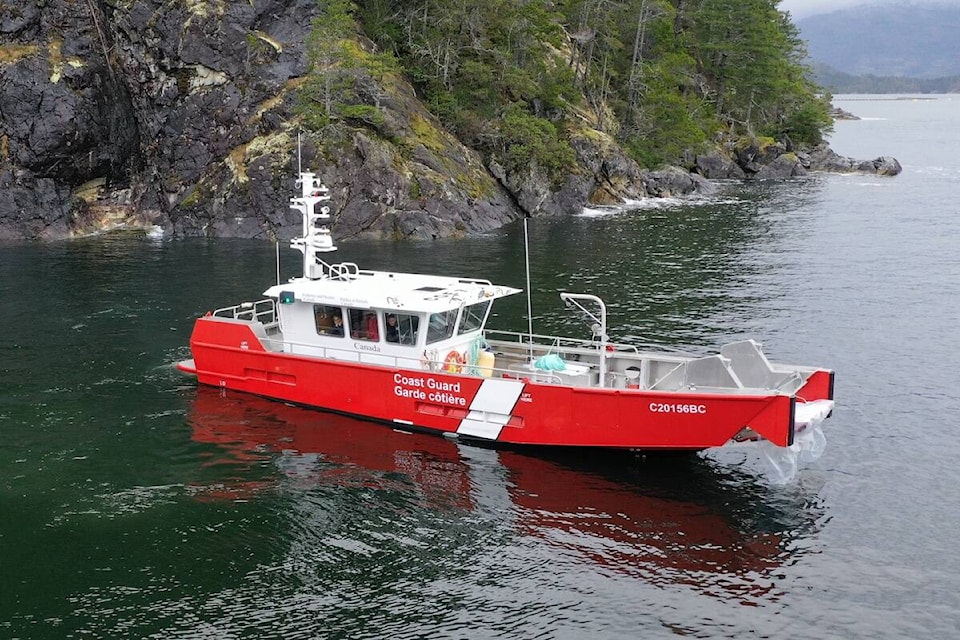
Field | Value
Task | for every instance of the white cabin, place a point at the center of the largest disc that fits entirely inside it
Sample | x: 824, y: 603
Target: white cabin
x: 340, y: 312
x: 377, y: 317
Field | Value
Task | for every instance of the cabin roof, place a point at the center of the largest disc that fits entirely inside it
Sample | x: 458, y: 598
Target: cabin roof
x: 392, y: 290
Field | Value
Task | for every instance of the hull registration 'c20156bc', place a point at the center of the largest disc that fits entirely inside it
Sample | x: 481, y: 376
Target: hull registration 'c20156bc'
x: 413, y: 351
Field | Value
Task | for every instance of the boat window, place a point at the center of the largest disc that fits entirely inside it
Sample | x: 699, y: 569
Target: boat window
x: 473, y: 317
x: 329, y: 320
x: 441, y: 325
x: 401, y: 328
x: 364, y: 325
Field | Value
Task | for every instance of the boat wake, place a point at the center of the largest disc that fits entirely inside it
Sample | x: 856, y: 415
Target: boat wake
x: 782, y: 463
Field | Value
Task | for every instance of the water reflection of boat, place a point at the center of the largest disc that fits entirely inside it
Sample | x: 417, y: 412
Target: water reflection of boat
x: 253, y: 430
x: 599, y: 510
x: 659, y: 537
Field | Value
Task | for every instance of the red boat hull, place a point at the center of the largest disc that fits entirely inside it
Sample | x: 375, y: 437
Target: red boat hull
x: 516, y: 411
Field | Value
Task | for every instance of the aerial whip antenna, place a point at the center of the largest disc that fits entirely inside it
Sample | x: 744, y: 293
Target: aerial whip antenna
x: 526, y: 257
x: 299, y: 164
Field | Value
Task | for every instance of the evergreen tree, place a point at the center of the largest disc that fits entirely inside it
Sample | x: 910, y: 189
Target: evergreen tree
x: 515, y: 78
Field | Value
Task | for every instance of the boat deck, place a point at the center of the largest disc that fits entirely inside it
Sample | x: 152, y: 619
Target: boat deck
x: 739, y: 368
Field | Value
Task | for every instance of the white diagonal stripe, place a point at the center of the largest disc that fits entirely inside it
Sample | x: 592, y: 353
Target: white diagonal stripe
x: 491, y: 408
x: 497, y: 396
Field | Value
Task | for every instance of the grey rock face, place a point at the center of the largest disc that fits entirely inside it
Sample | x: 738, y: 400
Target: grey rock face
x: 823, y: 158
x: 718, y: 166
x: 674, y: 181
x: 34, y: 207
x: 186, y: 108
x: 65, y: 115
x: 787, y: 165
x: 776, y: 162
x: 887, y: 166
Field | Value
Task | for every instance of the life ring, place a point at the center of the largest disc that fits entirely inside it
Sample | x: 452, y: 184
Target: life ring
x: 453, y: 363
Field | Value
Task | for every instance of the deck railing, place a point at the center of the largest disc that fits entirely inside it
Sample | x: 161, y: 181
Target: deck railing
x: 546, y: 343
x: 263, y: 311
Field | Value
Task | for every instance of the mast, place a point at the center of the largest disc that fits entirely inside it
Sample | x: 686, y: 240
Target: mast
x: 316, y: 238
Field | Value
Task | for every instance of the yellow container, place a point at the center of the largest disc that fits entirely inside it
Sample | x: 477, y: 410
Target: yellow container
x: 485, y: 363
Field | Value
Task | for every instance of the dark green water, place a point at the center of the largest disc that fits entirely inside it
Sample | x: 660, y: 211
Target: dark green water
x: 135, y: 505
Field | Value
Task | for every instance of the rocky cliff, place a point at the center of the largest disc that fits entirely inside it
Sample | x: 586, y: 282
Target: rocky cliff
x: 182, y: 114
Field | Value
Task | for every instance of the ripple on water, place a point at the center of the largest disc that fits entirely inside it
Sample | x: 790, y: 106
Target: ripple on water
x: 146, y: 508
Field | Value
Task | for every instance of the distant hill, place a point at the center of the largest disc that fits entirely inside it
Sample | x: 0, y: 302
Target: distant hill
x: 912, y: 40
x: 839, y: 82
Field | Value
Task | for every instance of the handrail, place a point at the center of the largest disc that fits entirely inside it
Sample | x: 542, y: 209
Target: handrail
x: 344, y: 270
x: 433, y: 366
x: 555, y: 342
x: 263, y: 311
x: 637, y: 348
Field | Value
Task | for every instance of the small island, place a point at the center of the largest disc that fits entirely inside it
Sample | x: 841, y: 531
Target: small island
x: 436, y: 120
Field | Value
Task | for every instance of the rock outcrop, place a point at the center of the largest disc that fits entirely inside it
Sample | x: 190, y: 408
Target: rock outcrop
x: 184, y: 115
x: 823, y: 158
x: 840, y: 114
x: 717, y: 165
x: 65, y: 115
x: 767, y: 159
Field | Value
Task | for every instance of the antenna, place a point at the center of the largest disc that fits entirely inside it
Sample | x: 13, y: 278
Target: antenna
x: 299, y: 163
x: 316, y: 238
x: 526, y: 257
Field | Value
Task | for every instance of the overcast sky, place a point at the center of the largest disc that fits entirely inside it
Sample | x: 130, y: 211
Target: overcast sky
x: 803, y: 8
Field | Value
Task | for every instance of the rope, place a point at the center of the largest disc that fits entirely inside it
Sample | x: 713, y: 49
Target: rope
x: 473, y: 355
